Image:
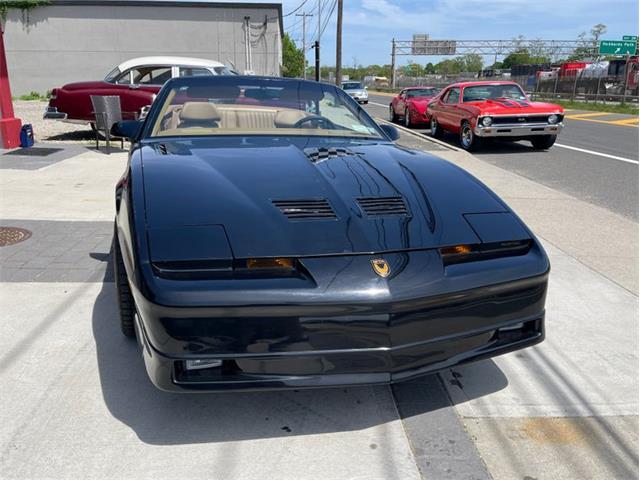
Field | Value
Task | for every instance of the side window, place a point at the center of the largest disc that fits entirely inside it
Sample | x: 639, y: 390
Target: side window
x: 194, y: 72
x: 151, y: 75
x: 453, y: 96
x: 445, y: 96
x: 124, y: 78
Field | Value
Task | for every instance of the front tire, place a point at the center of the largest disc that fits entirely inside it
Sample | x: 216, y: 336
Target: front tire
x: 407, y: 119
x: 468, y: 139
x: 435, y: 128
x: 126, y: 307
x: 543, y: 142
x: 392, y: 115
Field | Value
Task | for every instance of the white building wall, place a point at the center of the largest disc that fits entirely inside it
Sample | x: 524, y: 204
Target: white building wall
x: 67, y: 43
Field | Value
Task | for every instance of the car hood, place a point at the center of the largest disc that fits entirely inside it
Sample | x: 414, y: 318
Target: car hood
x: 420, y: 103
x: 210, y: 182
x: 490, y: 107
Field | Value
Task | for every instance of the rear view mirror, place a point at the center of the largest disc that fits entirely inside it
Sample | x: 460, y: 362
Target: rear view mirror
x: 390, y: 131
x: 129, y: 129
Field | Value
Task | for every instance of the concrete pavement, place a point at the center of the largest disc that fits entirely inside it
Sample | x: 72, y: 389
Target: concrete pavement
x: 78, y: 403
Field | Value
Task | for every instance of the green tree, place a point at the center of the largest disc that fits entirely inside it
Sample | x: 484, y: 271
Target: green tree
x: 587, y: 48
x: 429, y: 68
x: 292, y: 58
x: 472, y: 62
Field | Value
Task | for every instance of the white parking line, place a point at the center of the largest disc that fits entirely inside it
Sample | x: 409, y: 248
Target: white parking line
x: 378, y: 104
x: 606, y: 155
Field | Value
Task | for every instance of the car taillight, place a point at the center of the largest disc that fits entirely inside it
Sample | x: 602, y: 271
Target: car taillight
x: 54, y: 94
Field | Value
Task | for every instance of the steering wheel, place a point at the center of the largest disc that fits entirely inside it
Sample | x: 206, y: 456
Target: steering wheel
x: 318, y: 119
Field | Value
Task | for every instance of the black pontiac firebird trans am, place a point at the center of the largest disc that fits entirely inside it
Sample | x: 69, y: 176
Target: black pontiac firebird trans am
x: 269, y: 234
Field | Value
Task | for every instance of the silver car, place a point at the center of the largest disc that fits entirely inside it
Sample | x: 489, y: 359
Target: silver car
x: 357, y: 91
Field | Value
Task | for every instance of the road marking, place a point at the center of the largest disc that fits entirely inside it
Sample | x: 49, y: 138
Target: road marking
x: 606, y: 155
x: 578, y: 116
x: 583, y: 117
x: 626, y: 121
x: 378, y: 104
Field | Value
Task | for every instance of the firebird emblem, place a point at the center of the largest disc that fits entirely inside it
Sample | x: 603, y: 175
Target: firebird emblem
x: 380, y: 266
x: 521, y: 119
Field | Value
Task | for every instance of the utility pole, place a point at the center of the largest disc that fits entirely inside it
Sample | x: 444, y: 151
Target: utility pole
x: 316, y: 45
x: 339, y: 46
x: 304, y: 40
x: 393, y: 63
x: 319, y: 22
x: 247, y: 45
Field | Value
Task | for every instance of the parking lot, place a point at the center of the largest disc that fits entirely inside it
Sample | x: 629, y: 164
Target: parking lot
x: 77, y: 402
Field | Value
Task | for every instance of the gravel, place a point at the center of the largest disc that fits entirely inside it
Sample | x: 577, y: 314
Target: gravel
x: 31, y: 111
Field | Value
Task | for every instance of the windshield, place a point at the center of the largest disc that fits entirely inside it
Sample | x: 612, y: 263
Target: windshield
x: 224, y: 71
x: 483, y: 92
x: 352, y: 86
x: 233, y: 105
x: 422, y: 92
x: 112, y: 75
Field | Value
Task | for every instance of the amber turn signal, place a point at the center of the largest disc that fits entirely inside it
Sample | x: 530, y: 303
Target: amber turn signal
x: 279, y: 263
x: 456, y: 250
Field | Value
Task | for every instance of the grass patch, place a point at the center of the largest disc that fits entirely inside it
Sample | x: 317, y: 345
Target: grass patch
x: 34, y: 96
x: 592, y: 106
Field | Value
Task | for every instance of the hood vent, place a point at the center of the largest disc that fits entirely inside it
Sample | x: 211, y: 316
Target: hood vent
x: 383, y: 206
x: 321, y: 154
x: 305, y: 209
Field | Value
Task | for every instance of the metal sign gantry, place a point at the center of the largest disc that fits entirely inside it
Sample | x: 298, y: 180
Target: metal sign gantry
x: 421, y: 45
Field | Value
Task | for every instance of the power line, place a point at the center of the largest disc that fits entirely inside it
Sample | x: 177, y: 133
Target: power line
x: 326, y: 22
x: 321, y: 9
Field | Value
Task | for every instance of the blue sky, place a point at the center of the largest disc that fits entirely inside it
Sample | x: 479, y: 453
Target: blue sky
x: 369, y: 25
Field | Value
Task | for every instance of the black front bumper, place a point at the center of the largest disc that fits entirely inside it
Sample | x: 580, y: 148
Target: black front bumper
x: 315, y: 346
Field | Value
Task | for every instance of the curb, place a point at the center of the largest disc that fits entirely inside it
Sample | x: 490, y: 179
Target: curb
x: 420, y: 135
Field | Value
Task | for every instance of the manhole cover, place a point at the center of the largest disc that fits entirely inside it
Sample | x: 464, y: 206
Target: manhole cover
x: 34, y: 151
x: 11, y: 235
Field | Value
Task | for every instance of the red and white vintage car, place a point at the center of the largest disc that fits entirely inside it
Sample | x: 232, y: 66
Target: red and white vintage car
x: 410, y: 105
x: 501, y: 110
x: 136, y: 82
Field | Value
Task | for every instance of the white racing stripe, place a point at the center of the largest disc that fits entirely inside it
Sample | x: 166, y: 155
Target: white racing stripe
x: 606, y: 155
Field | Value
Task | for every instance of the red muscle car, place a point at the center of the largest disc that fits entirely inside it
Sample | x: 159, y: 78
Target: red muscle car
x: 411, y: 105
x: 136, y: 82
x: 480, y: 110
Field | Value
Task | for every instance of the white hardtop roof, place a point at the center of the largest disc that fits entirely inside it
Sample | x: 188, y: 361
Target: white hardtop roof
x: 165, y: 60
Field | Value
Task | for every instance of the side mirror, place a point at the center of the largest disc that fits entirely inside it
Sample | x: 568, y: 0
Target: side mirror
x: 390, y: 131
x: 128, y: 129
x: 366, y: 88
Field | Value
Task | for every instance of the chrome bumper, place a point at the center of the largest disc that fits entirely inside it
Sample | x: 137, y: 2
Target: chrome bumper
x: 52, y: 113
x: 518, y: 130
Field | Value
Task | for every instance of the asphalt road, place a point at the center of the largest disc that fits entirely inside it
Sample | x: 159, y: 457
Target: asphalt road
x: 593, y: 176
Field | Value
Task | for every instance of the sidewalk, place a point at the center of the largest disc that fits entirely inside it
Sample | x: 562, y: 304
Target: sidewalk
x: 567, y: 408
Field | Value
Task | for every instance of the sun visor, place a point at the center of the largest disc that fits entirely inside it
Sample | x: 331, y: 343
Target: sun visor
x: 496, y: 227
x: 185, y: 243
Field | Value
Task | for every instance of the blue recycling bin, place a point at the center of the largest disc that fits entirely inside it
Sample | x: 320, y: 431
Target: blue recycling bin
x: 26, y: 136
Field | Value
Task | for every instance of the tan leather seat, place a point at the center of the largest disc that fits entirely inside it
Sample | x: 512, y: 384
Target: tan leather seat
x: 199, y: 114
x: 288, y: 118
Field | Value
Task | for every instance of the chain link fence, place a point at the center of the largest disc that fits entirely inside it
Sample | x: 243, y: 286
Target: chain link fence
x: 580, y: 85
